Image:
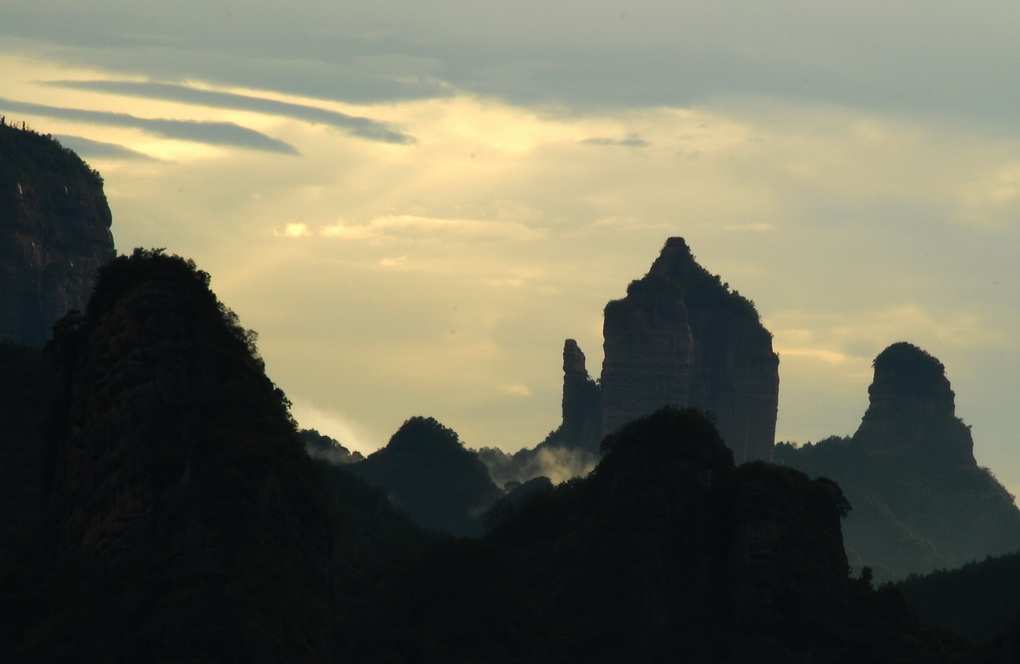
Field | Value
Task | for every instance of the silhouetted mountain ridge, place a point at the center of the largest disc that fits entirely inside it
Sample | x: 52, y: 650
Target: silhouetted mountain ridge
x: 158, y: 504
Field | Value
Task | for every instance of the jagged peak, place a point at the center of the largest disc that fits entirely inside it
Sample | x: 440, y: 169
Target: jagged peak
x: 573, y: 358
x: 675, y: 258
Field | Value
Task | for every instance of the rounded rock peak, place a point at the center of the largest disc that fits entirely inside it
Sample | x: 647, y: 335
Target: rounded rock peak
x: 911, y: 368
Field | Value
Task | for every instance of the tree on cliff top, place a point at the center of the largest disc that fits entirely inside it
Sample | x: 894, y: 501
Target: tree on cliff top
x: 125, y: 272
x: 25, y: 153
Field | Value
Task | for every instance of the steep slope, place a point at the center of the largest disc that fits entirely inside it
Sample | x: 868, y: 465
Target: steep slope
x: 187, y: 524
x: 920, y: 501
x: 668, y: 550
x: 427, y: 472
x: 54, y: 233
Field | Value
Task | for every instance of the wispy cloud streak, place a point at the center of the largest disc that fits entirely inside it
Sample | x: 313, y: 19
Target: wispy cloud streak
x: 212, y: 133
x: 356, y: 126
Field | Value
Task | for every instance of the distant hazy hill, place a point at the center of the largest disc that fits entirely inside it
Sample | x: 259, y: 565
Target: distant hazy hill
x: 427, y: 472
x: 978, y: 599
x: 920, y: 501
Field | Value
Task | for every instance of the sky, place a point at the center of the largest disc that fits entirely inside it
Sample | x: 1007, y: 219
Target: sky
x: 415, y: 202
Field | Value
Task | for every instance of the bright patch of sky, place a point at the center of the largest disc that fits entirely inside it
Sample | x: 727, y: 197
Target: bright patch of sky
x: 414, y: 204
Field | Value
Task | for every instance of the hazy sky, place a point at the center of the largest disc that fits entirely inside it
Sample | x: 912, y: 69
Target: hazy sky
x: 415, y: 203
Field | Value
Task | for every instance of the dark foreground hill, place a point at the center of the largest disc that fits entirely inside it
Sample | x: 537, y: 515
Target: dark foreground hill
x: 183, y: 521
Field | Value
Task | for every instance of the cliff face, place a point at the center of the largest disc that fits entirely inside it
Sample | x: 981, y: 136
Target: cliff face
x: 184, y: 507
x: 581, y: 410
x: 682, y: 337
x: 648, y: 345
x: 54, y: 234
x: 912, y: 411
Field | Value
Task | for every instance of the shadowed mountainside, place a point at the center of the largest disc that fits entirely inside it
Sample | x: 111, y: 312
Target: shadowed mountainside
x: 184, y: 520
x: 54, y: 233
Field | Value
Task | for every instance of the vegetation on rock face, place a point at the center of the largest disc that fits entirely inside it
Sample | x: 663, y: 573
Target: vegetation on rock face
x: 29, y: 154
x: 910, y: 363
x: 978, y: 599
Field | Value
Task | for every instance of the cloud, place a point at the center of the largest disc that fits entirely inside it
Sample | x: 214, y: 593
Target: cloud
x: 86, y: 147
x: 902, y: 58
x: 515, y: 389
x: 334, y: 424
x: 211, y: 133
x: 356, y: 126
x: 558, y: 464
x: 992, y: 199
x: 432, y: 230
x: 631, y: 141
x: 294, y: 230
x: 754, y: 227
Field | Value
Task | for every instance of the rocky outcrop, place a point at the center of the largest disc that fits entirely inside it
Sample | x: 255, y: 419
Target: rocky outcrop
x: 54, y: 234
x: 581, y: 410
x: 682, y: 337
x: 912, y: 411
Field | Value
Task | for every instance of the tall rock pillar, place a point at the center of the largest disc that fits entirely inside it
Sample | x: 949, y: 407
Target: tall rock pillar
x: 682, y: 337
